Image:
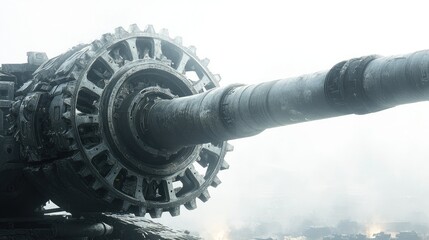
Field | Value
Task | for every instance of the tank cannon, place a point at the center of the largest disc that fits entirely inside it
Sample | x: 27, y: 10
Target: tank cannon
x: 136, y: 123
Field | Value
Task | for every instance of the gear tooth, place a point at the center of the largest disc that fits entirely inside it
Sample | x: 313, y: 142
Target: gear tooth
x: 205, y: 62
x: 141, y: 212
x: 86, y: 57
x: 216, y: 182
x: 134, y: 28
x: 224, y: 165
x: 107, y: 38
x: 191, y: 205
x: 205, y: 196
x: 229, y: 147
x: 120, y: 32
x: 125, y: 206
x: 178, y: 40
x: 149, y: 29
x: 67, y: 101
x: 96, y: 44
x: 193, y: 49
x: 218, y: 77
x: 204, y: 163
x: 175, y: 211
x: 155, y: 212
x: 164, y: 32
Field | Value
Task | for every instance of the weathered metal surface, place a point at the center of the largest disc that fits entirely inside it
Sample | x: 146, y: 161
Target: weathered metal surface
x: 129, y: 227
x: 361, y: 85
x: 97, y: 226
x: 134, y: 122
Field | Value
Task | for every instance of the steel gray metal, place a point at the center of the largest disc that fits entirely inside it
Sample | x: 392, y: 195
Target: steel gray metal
x: 360, y: 86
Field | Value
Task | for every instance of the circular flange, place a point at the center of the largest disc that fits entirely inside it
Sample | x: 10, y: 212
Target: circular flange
x: 120, y: 111
x: 134, y: 120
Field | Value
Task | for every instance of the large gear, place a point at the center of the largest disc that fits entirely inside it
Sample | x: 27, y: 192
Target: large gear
x: 98, y: 92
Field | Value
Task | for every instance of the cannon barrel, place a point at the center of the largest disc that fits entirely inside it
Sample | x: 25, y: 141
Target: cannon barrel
x: 360, y: 85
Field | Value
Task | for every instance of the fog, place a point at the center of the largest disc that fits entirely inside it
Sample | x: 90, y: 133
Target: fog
x: 370, y: 169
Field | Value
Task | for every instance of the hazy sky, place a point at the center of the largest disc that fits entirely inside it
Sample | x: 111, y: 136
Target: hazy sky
x: 368, y: 168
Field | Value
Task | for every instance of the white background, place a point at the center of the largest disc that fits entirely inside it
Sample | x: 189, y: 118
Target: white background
x: 367, y: 168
